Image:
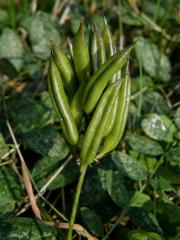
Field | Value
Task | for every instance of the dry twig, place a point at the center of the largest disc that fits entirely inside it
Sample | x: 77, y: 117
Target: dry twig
x: 44, y: 188
x: 26, y: 178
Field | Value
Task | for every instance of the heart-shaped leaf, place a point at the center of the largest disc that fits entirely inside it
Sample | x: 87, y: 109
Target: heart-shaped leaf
x: 158, y: 127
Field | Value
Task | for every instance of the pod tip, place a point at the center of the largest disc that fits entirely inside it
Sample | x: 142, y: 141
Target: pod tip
x: 94, y: 27
x: 69, y: 42
x: 127, y: 67
x: 105, y: 21
x: 81, y: 28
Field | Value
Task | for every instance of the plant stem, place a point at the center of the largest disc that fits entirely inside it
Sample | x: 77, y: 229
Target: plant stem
x: 75, y: 204
x: 140, y: 87
x: 121, y: 40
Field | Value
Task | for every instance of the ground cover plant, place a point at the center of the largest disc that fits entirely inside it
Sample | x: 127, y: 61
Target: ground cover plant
x: 131, y: 191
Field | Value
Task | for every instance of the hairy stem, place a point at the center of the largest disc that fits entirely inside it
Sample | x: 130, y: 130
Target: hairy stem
x: 75, y: 204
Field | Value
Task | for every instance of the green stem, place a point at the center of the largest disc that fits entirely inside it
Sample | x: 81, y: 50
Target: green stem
x: 140, y: 87
x: 120, y: 25
x: 75, y: 204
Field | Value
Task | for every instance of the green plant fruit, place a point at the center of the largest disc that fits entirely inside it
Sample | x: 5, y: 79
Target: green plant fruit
x: 62, y: 103
x: 81, y: 55
x: 100, y: 79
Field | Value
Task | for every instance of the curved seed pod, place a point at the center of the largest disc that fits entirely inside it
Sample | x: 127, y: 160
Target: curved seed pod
x: 94, y: 132
x: 111, y: 119
x: 62, y: 103
x: 97, y: 49
x: 124, y: 120
x: 101, y: 69
x: 107, y: 38
x: 112, y: 140
x: 56, y: 109
x: 76, y: 103
x: 93, y: 49
x: 81, y: 55
x: 117, y: 75
x: 96, y: 86
x: 65, y: 68
x: 109, y: 45
x: 101, y: 54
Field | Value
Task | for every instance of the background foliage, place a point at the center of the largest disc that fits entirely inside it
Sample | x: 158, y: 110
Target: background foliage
x: 132, y: 193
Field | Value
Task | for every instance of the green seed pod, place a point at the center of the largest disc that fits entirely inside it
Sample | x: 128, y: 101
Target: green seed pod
x: 111, y: 119
x: 97, y: 49
x: 81, y: 55
x: 101, y: 69
x: 101, y: 54
x: 64, y: 66
x: 117, y: 75
x: 100, y: 79
x: 56, y: 109
x: 112, y: 140
x: 108, y: 41
x: 94, y: 132
x: 76, y: 103
x: 62, y: 103
x: 93, y: 49
x: 109, y: 45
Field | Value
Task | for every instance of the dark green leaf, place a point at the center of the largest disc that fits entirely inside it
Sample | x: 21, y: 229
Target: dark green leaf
x: 169, y: 211
x: 154, y: 102
x: 144, y: 145
x: 11, y: 48
x: 168, y: 216
x: 74, y: 24
x: 158, y: 127
x: 47, y: 141
x: 140, y: 235
x: 132, y: 19
x: 129, y: 166
x: 177, y: 135
x: 98, y: 20
x: 28, y: 229
x: 177, y: 117
x: 161, y: 184
x: 10, y: 191
x: 4, y: 18
x: 92, y: 220
x: 69, y: 174
x: 144, y: 219
x: 95, y: 185
x: 117, y: 189
x: 173, y: 156
x: 49, y: 114
x: 42, y: 33
x: 139, y: 199
x: 8, y: 68
x: 154, y: 62
x: 27, y: 114
x: 149, y: 163
x: 170, y: 174
x: 145, y: 80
